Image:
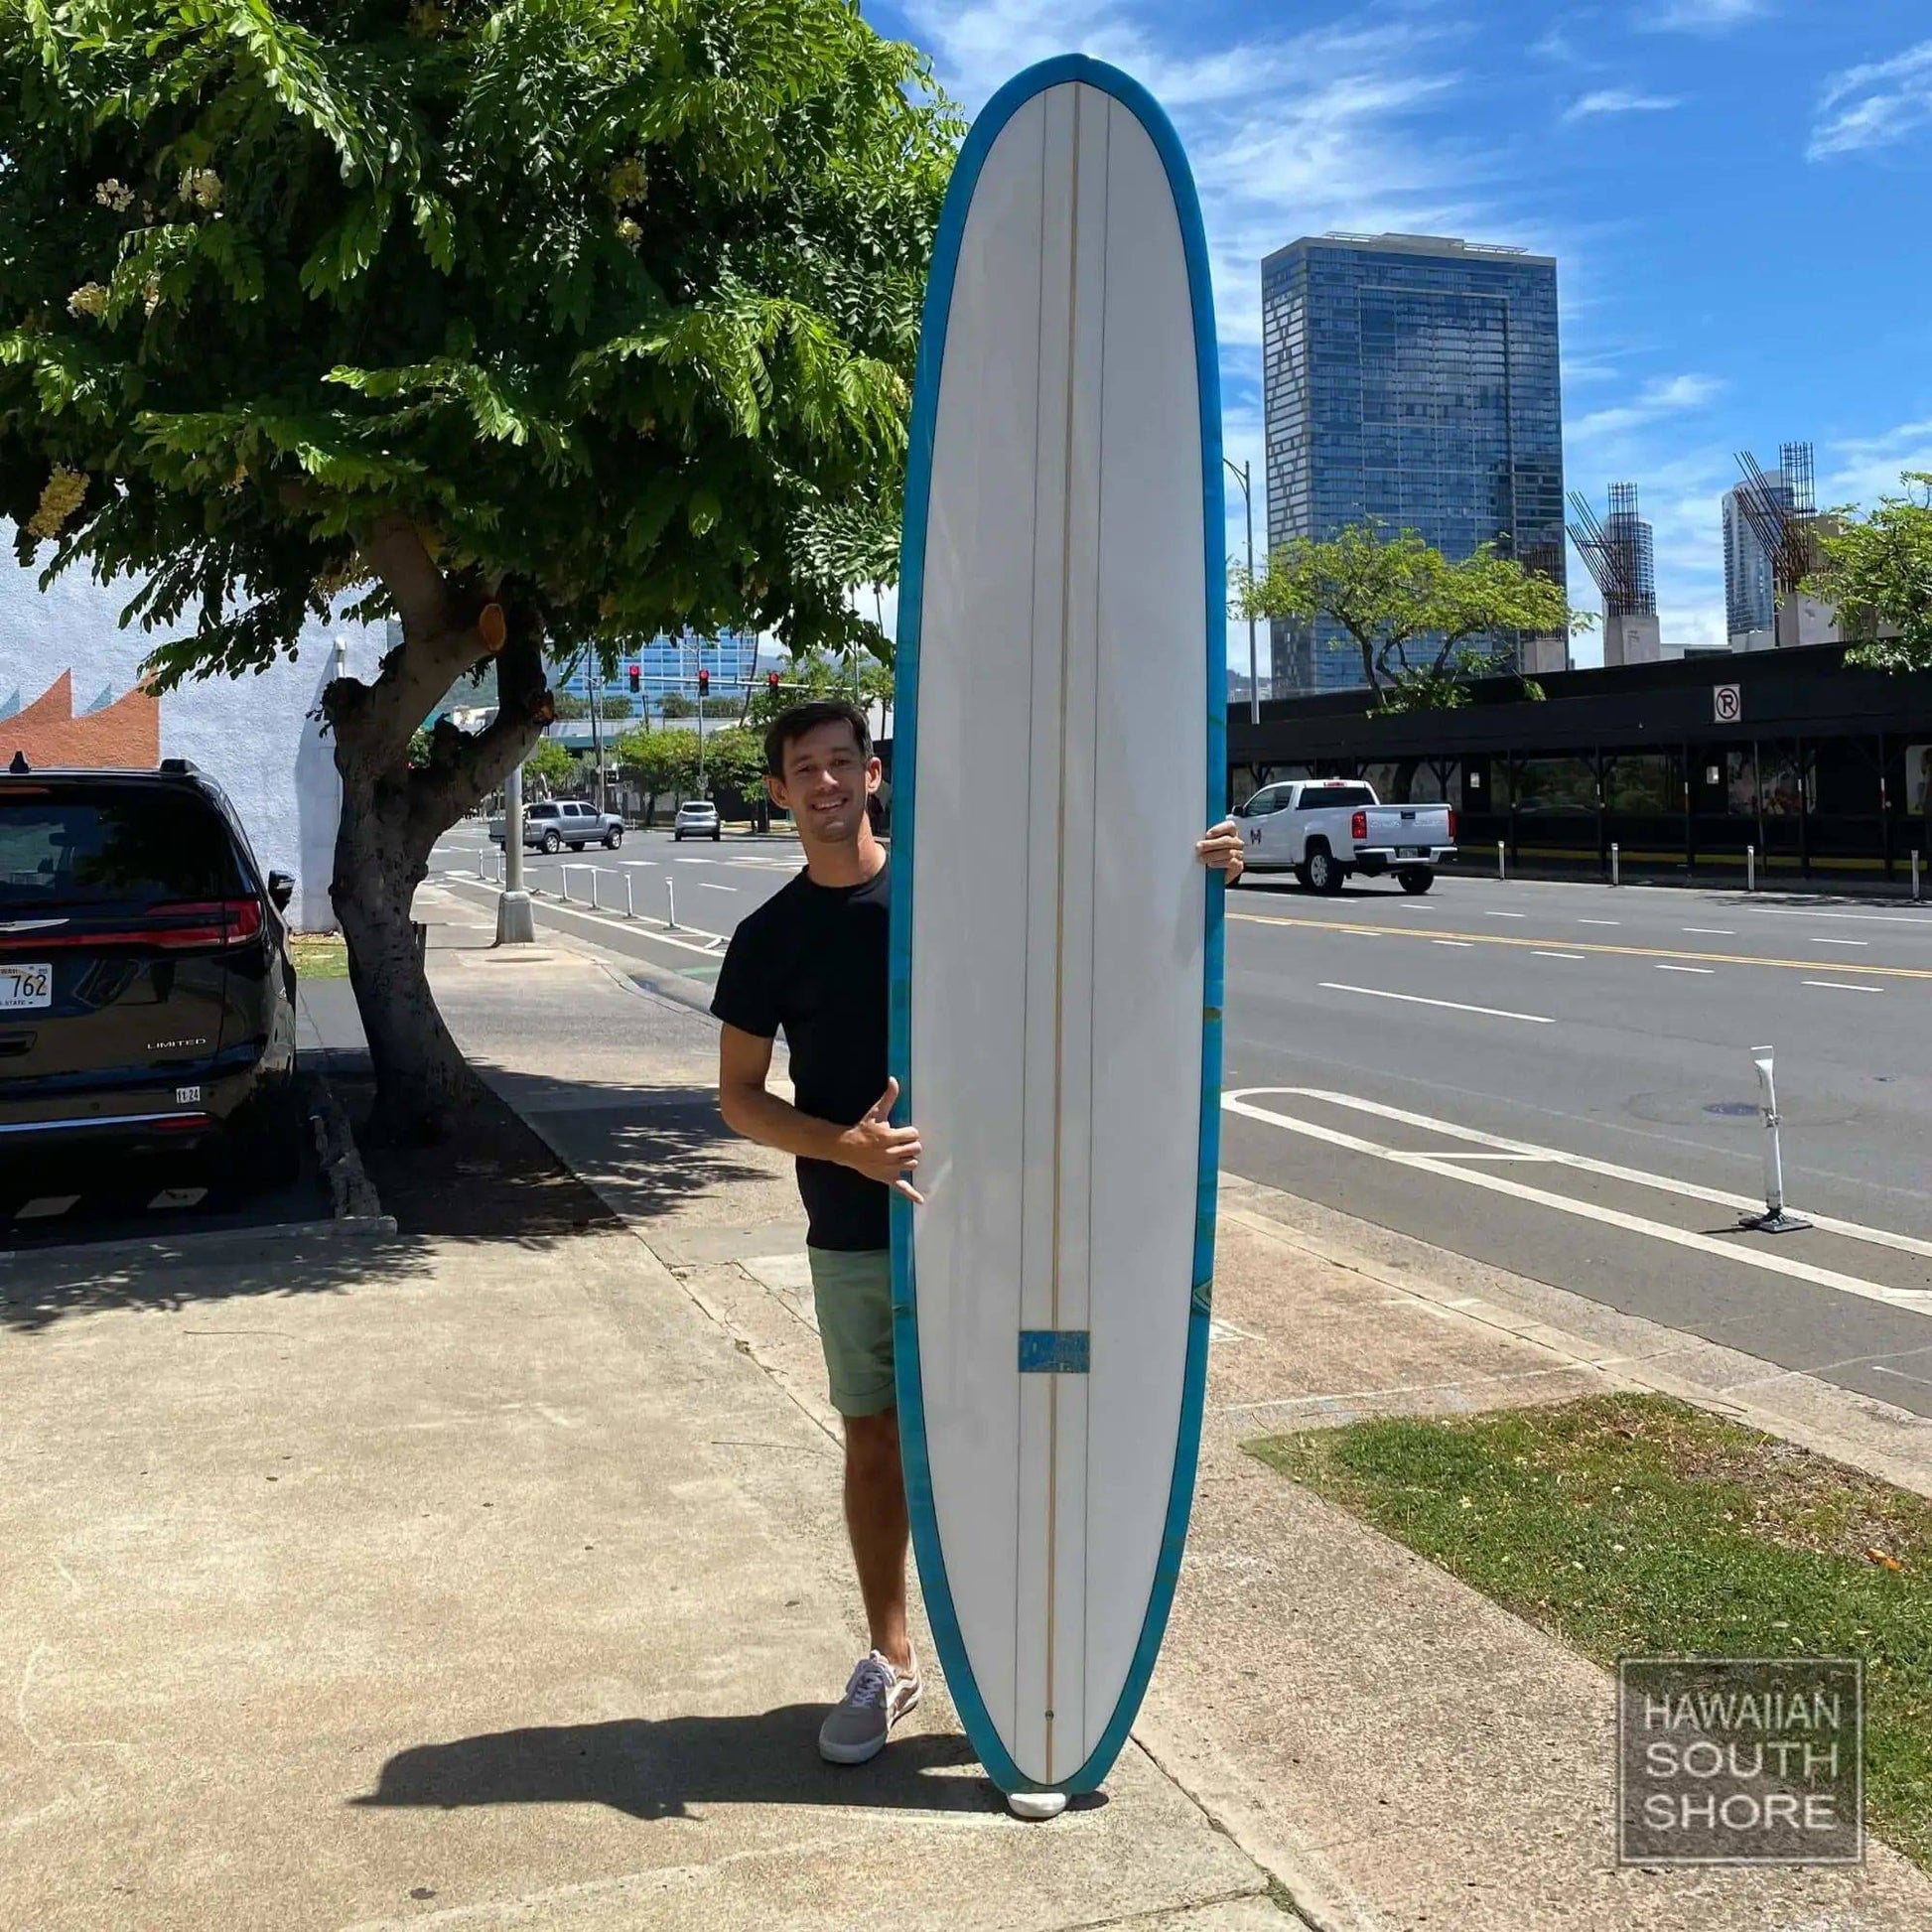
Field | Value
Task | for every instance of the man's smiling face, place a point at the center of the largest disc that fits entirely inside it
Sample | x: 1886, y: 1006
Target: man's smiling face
x: 826, y: 783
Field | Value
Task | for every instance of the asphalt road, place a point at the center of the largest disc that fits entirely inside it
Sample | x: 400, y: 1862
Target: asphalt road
x: 1552, y: 1078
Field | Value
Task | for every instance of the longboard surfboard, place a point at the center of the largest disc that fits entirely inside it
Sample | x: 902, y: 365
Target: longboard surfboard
x: 1057, y: 945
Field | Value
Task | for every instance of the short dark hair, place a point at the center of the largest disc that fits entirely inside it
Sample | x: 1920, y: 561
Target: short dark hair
x: 803, y: 718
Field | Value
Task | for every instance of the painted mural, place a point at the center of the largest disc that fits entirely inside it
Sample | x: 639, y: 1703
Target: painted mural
x: 124, y: 731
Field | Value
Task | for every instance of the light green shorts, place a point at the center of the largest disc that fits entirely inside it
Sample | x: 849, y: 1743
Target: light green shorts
x: 853, y: 1292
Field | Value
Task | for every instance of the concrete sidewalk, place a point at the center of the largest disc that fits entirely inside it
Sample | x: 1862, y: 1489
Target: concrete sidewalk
x: 491, y: 1583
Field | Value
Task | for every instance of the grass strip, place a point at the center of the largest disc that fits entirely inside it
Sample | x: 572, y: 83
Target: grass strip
x: 1632, y: 1525
x: 320, y: 955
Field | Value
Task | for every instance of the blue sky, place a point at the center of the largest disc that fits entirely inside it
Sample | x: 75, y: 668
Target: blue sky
x: 1739, y: 194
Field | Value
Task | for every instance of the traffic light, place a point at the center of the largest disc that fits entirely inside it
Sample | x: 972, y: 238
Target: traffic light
x: 771, y: 680
x: 636, y: 672
x: 704, y: 681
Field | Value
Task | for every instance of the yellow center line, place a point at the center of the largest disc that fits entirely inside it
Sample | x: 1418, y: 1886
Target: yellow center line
x: 1839, y: 966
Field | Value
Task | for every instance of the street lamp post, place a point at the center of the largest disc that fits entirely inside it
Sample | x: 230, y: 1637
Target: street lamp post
x: 1243, y: 476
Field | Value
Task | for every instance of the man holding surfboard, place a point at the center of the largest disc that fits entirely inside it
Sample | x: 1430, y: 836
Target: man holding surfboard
x: 812, y: 962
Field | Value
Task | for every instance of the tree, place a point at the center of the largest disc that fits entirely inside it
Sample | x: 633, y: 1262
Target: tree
x: 814, y: 674
x: 1878, y: 573
x: 1393, y: 593
x: 550, y: 766
x: 660, y: 761
x: 542, y: 328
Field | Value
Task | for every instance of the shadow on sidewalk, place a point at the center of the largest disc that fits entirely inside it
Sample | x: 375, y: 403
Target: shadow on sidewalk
x: 659, y: 1770
x: 648, y: 1148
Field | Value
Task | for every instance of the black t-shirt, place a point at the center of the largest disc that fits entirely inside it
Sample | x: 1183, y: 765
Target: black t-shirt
x: 812, y: 961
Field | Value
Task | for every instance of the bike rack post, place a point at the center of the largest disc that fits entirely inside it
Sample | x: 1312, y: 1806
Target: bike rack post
x: 1774, y: 1219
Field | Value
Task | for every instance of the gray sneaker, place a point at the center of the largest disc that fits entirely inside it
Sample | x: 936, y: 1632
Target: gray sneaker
x: 876, y: 1699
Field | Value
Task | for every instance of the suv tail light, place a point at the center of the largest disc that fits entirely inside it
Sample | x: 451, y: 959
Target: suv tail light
x: 1358, y: 826
x: 1451, y: 827
x: 173, y: 927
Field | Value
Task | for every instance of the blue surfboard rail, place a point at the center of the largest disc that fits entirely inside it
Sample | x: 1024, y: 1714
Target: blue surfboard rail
x: 993, y: 118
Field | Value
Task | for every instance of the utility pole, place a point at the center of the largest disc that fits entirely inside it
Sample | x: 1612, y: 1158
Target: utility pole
x: 596, y: 728
x: 1244, y: 476
x: 516, y: 922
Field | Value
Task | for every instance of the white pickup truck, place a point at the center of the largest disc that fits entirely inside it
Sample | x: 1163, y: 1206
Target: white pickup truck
x: 1322, y: 829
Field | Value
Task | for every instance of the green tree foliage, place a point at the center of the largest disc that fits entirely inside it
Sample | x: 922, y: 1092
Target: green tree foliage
x: 661, y: 762
x: 549, y: 769
x: 1391, y: 593
x: 1878, y: 571
x: 542, y: 326
x: 819, y: 674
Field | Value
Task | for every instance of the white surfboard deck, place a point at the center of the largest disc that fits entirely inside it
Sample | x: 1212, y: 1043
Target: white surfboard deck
x: 1056, y: 941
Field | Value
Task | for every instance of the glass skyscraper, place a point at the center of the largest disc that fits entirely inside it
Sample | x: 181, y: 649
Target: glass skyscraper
x: 1751, y: 586
x: 668, y: 667
x: 1409, y: 379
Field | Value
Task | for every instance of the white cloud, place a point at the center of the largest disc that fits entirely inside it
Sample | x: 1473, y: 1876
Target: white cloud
x: 1872, y: 106
x: 1701, y: 16
x: 1619, y: 100
x: 1867, y: 468
x: 1660, y: 397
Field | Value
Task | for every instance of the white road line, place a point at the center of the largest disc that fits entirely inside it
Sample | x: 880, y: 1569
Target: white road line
x: 711, y: 885
x: 1599, y: 921
x: 642, y: 865
x: 1466, y: 944
x: 1880, y: 919
x: 1917, y: 1298
x: 1540, y: 954
x: 1715, y: 931
x: 1687, y: 969
x: 1841, y: 986
x: 1610, y: 1170
x: 1840, y: 943
x: 1505, y: 916
x: 1453, y: 1006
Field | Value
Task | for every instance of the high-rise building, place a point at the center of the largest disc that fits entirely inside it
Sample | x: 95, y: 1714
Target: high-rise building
x: 1750, y: 589
x: 1410, y: 379
x: 668, y: 667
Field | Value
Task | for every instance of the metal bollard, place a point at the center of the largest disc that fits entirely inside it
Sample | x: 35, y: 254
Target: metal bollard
x: 1750, y: 868
x: 1615, y: 864
x: 482, y: 865
x: 629, y: 911
x: 565, y: 870
x: 1502, y: 860
x: 1915, y: 874
x: 670, y: 892
x: 597, y: 904
x: 1774, y: 1220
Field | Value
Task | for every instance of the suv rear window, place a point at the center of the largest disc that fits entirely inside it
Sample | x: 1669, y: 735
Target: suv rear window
x: 110, y: 845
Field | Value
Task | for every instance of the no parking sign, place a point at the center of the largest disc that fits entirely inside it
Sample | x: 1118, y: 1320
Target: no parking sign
x: 1727, y: 702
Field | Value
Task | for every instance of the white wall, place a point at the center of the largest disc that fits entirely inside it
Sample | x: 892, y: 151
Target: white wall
x: 254, y: 735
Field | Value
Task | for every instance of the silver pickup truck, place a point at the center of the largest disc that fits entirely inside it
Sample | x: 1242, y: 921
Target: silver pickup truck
x: 553, y: 823
x: 1322, y: 829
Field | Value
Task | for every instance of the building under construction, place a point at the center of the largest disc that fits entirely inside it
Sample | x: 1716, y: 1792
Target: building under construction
x: 1619, y: 552
x: 1780, y: 514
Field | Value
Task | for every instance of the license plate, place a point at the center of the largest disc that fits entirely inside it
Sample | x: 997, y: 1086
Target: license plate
x: 26, y: 986
x: 1412, y: 852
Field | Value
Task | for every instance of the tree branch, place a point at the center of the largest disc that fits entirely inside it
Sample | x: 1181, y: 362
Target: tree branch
x: 395, y: 549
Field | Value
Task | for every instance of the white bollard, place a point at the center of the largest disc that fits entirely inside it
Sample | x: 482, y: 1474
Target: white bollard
x: 1915, y: 874
x: 482, y: 865
x: 1615, y: 864
x: 1750, y: 868
x: 1502, y: 860
x: 629, y: 911
x: 670, y: 892
x: 565, y: 870
x: 1774, y: 1220
x: 597, y: 905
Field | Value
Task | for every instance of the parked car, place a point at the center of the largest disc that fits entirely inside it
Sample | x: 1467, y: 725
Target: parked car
x: 147, y: 997
x: 553, y: 823
x: 697, y: 818
x: 1323, y: 829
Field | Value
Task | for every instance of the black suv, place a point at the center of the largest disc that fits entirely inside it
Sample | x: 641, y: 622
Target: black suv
x: 146, y: 993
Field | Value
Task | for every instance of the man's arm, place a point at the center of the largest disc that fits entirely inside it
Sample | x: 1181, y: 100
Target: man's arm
x: 873, y: 1147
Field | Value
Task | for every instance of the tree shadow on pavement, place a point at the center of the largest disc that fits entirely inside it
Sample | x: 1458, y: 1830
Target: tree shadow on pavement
x: 659, y: 1770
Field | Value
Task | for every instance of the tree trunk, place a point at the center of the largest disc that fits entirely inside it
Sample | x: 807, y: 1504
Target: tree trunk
x: 422, y: 1078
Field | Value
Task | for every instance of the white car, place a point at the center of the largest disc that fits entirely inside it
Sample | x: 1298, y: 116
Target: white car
x: 697, y: 818
x: 1322, y: 829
